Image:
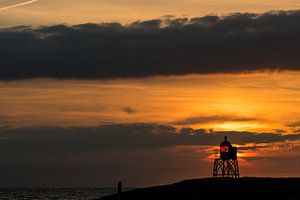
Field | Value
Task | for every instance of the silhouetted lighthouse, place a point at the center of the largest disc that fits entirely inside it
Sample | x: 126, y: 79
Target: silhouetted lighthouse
x: 227, y: 164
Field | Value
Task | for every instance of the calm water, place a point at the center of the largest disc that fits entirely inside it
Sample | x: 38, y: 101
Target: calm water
x: 55, y: 193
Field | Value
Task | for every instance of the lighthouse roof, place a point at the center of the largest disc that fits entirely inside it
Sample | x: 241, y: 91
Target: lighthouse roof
x: 225, y: 142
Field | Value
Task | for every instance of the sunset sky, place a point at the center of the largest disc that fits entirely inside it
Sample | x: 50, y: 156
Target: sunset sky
x: 43, y: 12
x: 97, y: 91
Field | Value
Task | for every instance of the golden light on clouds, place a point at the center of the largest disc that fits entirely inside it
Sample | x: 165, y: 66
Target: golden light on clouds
x: 255, y: 156
x: 171, y: 124
x: 73, y: 12
x: 222, y: 102
x: 242, y: 126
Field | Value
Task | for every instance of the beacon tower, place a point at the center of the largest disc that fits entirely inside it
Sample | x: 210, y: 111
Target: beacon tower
x: 227, y: 165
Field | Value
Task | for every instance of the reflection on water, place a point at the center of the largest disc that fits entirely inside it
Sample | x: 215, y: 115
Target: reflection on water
x: 55, y: 193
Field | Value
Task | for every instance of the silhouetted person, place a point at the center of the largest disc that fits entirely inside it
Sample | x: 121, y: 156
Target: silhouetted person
x: 120, y: 187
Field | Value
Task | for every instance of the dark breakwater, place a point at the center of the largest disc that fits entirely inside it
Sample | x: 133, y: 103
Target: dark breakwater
x: 223, y: 189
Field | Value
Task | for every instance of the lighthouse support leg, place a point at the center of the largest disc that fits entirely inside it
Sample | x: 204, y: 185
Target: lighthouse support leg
x: 226, y: 168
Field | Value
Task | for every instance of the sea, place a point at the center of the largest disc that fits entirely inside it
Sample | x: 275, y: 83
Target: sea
x: 55, y: 193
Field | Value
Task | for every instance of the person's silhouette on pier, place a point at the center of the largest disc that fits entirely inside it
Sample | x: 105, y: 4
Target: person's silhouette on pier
x: 119, y: 187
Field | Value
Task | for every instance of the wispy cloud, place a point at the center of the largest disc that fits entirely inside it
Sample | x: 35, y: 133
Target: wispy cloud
x: 18, y: 5
x: 294, y: 124
x: 210, y: 119
x: 129, y: 110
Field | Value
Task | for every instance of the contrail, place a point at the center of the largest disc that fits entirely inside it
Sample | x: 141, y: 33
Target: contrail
x: 18, y: 5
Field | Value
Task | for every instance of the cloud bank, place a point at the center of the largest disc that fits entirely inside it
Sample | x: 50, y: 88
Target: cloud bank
x: 36, y: 140
x: 240, y: 42
x: 140, y: 154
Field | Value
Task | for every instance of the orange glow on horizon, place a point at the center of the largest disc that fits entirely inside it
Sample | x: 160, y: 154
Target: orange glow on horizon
x: 242, y: 102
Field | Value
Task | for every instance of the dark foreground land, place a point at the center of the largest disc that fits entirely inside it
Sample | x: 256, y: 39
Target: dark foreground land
x: 197, y: 189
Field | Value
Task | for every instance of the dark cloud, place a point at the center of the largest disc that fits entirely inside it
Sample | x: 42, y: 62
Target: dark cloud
x: 129, y: 110
x: 280, y: 131
x: 208, y: 119
x: 103, y: 155
x: 51, y: 140
x: 167, y: 46
x: 294, y: 124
